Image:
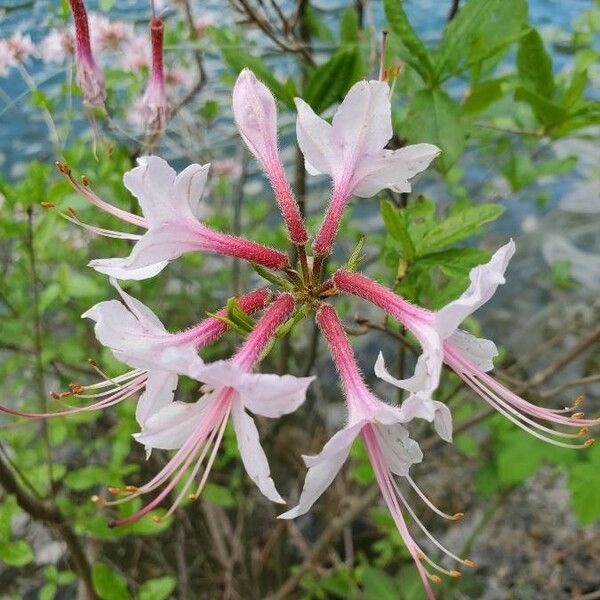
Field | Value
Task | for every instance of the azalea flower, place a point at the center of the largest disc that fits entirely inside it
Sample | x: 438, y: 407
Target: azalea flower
x: 196, y: 429
x: 20, y: 47
x: 390, y: 449
x: 171, y: 205
x: 468, y: 356
x: 136, y: 337
x: 135, y: 55
x: 89, y: 76
x: 352, y: 151
x: 107, y: 34
x: 256, y: 118
x: 154, y: 101
x: 56, y: 46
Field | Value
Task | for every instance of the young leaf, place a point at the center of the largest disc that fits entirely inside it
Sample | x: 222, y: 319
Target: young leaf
x: 329, y: 82
x: 349, y: 26
x: 356, y: 257
x: 395, y: 224
x: 534, y: 65
x: 108, y: 584
x: 157, y: 589
x: 412, y: 49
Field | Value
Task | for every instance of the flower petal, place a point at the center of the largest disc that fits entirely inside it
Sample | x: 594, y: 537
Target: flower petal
x: 323, y: 468
x: 399, y: 451
x: 485, y: 279
x: 272, y: 395
x: 392, y: 169
x: 442, y: 421
x: 255, y: 114
x: 188, y: 189
x: 170, y: 427
x: 315, y: 138
x: 478, y: 351
x: 159, y: 392
x: 117, y: 268
x: 143, y: 314
x: 252, y: 453
x: 363, y: 122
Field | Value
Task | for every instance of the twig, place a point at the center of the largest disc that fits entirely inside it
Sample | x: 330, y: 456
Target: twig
x: 453, y: 10
x: 565, y: 386
x: 50, y: 514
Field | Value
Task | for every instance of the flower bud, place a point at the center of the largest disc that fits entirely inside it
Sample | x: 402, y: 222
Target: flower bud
x: 155, y: 105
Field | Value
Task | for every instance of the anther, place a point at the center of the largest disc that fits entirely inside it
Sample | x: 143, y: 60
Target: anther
x: 131, y: 488
x: 470, y: 563
x: 98, y: 500
x: 76, y: 388
x: 85, y: 181
x: 192, y: 497
x: 54, y: 396
x: 434, y: 578
x: 63, y: 167
x: 589, y: 443
x: 48, y: 205
x: 584, y: 430
x: 577, y: 415
x: 578, y: 400
x: 115, y: 491
x: 92, y: 362
x: 454, y: 573
x: 71, y: 211
x: 157, y: 519
x: 457, y: 516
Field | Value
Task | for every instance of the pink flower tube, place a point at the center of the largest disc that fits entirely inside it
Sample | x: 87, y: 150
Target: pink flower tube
x: 154, y: 101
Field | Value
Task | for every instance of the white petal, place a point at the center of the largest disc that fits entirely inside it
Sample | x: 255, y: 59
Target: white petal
x: 321, y: 154
x: 117, y: 268
x: 485, y: 279
x: 392, y: 169
x: 252, y: 453
x: 151, y: 182
x: 323, y: 468
x: 220, y: 373
x: 478, y: 351
x: 159, y: 392
x: 442, y: 421
x: 363, y: 122
x: 170, y: 427
x: 399, y: 451
x: 272, y: 395
x: 144, y: 315
x: 188, y: 189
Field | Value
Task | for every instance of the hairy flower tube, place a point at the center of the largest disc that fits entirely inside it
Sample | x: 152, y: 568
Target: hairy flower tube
x: 89, y: 76
x: 154, y: 101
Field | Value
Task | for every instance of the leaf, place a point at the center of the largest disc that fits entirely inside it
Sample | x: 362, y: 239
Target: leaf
x: 356, y: 256
x: 17, y: 553
x: 218, y: 494
x: 349, y: 26
x: 330, y: 81
x: 108, y: 584
x: 534, y: 65
x: 411, y: 49
x: 458, y: 227
x: 482, y: 96
x: 584, y: 485
x: 395, y: 224
x: 434, y: 117
x: 481, y: 29
x: 316, y: 26
x: 48, y: 591
x: 86, y: 477
x: 159, y: 588
x: 378, y: 585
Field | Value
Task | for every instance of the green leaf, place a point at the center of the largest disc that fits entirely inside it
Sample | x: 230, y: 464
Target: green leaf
x: 459, y: 226
x: 8, y: 509
x: 316, y: 26
x: 17, y: 553
x: 584, y: 485
x: 411, y: 48
x: 271, y: 277
x: 330, y: 81
x: 157, y: 589
x: 534, y: 65
x: 395, y: 224
x: 481, y: 29
x: 378, y: 585
x: 108, y: 584
x: 48, y: 591
x: 356, y: 257
x: 434, y: 117
x: 86, y: 477
x: 482, y: 96
x: 349, y: 26
x: 218, y: 494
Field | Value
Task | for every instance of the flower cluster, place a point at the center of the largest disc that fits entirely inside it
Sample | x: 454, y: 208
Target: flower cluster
x: 352, y: 151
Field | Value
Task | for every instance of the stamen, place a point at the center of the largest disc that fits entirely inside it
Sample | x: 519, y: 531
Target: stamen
x: 427, y: 501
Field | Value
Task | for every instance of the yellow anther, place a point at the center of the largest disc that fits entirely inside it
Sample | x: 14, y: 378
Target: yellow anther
x: 454, y: 573
x: 589, y: 443
x: 578, y: 400
x: 584, y: 430
x: 47, y: 205
x: 457, y: 516
x: 434, y: 578
x: 192, y: 497
x: 577, y: 415
x: 157, y: 519
x: 131, y: 488
x: 85, y: 181
x: 63, y: 167
x: 98, y: 500
x: 92, y: 362
x: 115, y: 491
x: 470, y: 563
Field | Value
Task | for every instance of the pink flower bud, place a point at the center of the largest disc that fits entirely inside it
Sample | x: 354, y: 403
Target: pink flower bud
x: 89, y: 76
x: 155, y: 98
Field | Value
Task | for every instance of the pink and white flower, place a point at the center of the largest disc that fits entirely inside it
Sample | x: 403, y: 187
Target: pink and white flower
x: 89, y: 76
x: 107, y: 34
x: 56, y: 46
x: 468, y: 356
x: 136, y: 54
x: 171, y: 204
x: 256, y: 118
x: 195, y: 429
x: 352, y: 151
x: 390, y: 449
x: 20, y: 47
